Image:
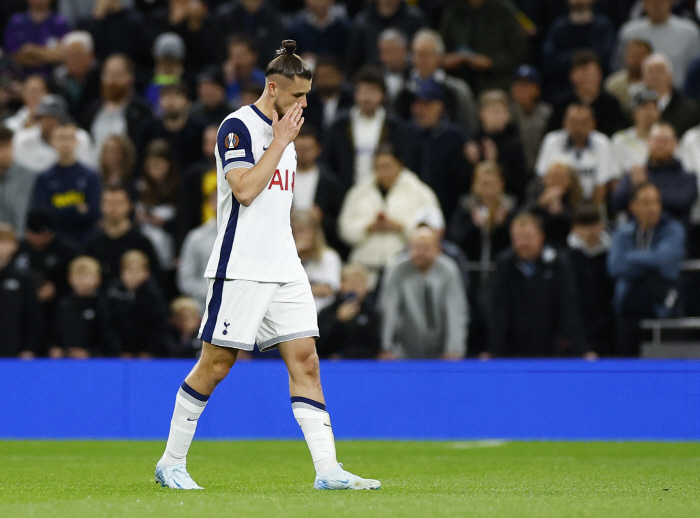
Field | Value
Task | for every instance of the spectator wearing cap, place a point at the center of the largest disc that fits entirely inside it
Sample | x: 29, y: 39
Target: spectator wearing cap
x: 32, y: 145
x: 498, y: 139
x: 434, y: 148
x: 372, y: 20
x: 678, y: 188
x: 629, y: 146
x: 78, y: 78
x: 427, y: 53
x: 676, y: 37
x: 32, y: 38
x: 16, y: 185
x: 580, y: 146
x: 484, y: 42
x: 240, y: 67
x: 624, y: 82
x: 586, y: 78
x: 211, y: 106
x: 581, y: 28
x: 119, y: 111
x: 645, y: 261
x: 329, y: 96
x: 395, y: 61
x: 530, y: 113
x: 169, y: 55
x: 69, y: 191
x: 176, y: 125
x: 321, y: 28
x: 676, y: 108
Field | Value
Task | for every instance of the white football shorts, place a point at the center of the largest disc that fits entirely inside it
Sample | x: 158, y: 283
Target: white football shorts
x: 242, y: 313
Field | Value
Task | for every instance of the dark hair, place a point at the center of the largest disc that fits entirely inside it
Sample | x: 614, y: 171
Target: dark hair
x: 642, y: 186
x: 526, y: 217
x: 288, y: 64
x: 6, y: 134
x: 128, y: 160
x: 250, y: 87
x: 116, y: 188
x: 579, y: 104
x: 309, y: 130
x: 583, y: 57
x: 387, y: 148
x: 176, y: 88
x: 328, y: 60
x: 128, y: 62
x: 152, y: 193
x: 243, y: 39
x: 587, y: 214
x: 371, y: 75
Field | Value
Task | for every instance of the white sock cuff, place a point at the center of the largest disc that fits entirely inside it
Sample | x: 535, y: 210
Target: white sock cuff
x: 188, y: 405
x: 307, y: 413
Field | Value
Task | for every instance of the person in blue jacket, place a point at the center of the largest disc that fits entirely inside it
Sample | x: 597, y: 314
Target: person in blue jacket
x: 645, y: 260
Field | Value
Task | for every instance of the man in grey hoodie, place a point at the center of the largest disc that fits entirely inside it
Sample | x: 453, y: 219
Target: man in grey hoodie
x: 16, y: 185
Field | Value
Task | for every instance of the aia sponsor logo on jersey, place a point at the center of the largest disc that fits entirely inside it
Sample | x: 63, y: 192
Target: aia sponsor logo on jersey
x: 232, y: 141
x: 283, y: 181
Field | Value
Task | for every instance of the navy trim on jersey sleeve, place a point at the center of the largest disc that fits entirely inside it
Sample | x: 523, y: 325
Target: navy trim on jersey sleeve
x: 235, y: 146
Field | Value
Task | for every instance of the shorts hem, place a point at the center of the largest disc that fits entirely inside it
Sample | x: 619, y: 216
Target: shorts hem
x: 229, y: 343
x: 269, y: 344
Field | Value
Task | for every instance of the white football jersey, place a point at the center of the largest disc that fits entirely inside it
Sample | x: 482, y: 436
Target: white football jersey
x: 253, y: 243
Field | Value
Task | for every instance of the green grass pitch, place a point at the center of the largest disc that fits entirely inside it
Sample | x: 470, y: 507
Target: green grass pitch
x: 422, y: 479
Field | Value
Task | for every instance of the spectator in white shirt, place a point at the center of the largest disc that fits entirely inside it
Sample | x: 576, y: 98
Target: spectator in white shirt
x: 34, y: 89
x: 629, y: 146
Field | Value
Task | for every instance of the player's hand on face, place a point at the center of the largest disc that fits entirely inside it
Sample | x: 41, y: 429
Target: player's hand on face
x: 287, y: 128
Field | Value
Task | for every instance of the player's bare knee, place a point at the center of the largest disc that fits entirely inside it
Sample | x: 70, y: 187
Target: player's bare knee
x: 219, y: 369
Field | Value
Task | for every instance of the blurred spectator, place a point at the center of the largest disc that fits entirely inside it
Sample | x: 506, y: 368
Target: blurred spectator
x: 199, y: 183
x: 240, y: 68
x: 321, y: 28
x: 34, y: 88
x: 185, y: 319
x: 138, y: 309
x: 117, y: 28
x: 588, y: 245
x: 258, y: 19
x: 194, y: 256
x: 75, y: 11
x: 395, y: 61
x: 535, y: 310
x: 692, y: 80
x: 69, y: 190
x: 371, y: 21
x: 629, y: 147
x: 16, y: 185
x: 46, y: 256
x: 434, y: 147
x: 156, y: 209
x: 428, y: 52
x: 498, y: 139
x: 33, y: 38
x: 582, y: 147
x: 169, y: 55
x: 10, y: 7
x: 586, y: 78
x: 624, y: 82
x: 484, y: 41
x: 354, y: 137
x: 329, y: 95
x: 676, y: 108
x: 78, y: 78
x: 350, y: 327
x: 676, y: 37
x: 377, y: 213
x: 423, y: 304
x: 117, y: 235
x: 33, y: 148
x: 554, y: 198
x: 20, y: 319
x: 118, y: 162
x: 529, y: 112
x: 316, y: 188
x: 645, y: 260
x: 120, y: 111
x: 678, y: 188
x: 81, y: 327
x: 182, y: 131
x: 211, y: 106
x: 581, y: 28
x: 321, y: 263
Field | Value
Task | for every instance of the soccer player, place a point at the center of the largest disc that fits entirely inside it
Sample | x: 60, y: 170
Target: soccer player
x: 258, y: 291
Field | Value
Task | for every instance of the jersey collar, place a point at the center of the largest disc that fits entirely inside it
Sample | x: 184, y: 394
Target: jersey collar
x: 260, y: 114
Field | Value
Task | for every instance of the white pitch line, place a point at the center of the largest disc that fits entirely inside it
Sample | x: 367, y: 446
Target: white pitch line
x: 469, y: 445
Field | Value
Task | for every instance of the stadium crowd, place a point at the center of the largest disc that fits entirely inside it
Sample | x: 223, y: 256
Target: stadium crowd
x: 475, y: 177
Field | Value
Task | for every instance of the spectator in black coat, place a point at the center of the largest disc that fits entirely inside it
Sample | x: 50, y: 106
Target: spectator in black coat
x: 185, y: 320
x: 588, y: 245
x: 81, y: 327
x: 21, y: 322
x: 329, y: 95
x: 321, y: 28
x: 535, y: 310
x: 211, y: 106
x: 137, y: 308
x: 350, y: 327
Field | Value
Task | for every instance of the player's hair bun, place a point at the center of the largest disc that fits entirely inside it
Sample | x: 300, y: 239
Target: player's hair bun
x: 288, y: 47
x: 287, y: 63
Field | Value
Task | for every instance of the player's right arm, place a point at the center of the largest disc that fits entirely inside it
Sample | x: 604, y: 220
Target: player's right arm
x: 248, y: 182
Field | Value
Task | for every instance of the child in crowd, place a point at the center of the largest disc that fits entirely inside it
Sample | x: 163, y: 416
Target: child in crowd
x: 138, y: 308
x: 81, y: 326
x: 185, y: 319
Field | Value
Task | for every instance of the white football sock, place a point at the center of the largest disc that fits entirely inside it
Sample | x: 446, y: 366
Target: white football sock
x: 315, y: 423
x: 189, y: 405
